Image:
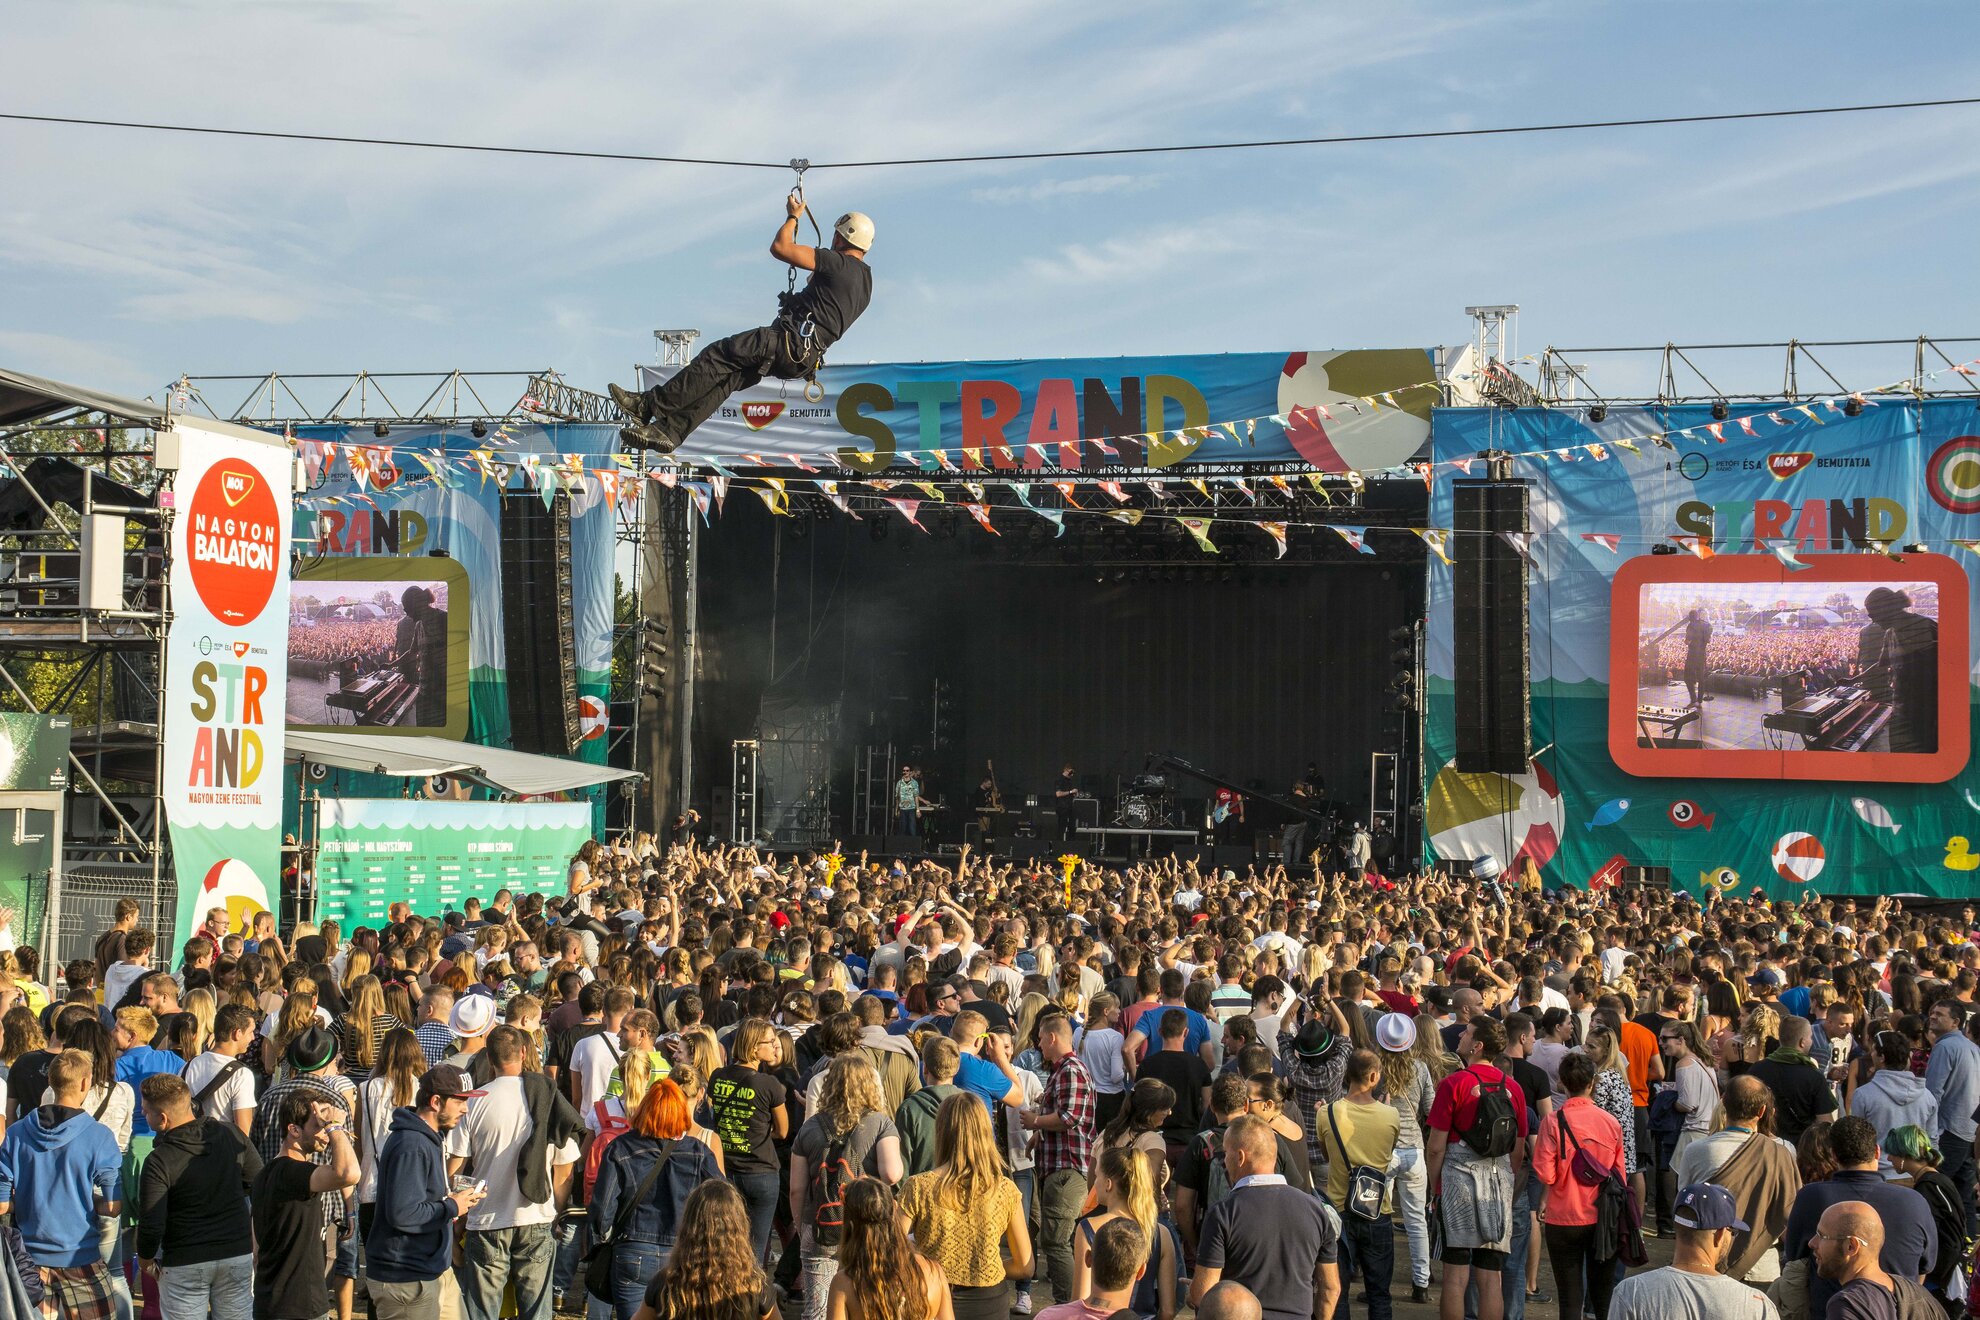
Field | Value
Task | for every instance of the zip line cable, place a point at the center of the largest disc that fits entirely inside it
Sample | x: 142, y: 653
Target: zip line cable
x: 993, y: 157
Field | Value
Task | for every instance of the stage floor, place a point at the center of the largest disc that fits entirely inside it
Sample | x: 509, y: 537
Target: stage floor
x: 1731, y: 722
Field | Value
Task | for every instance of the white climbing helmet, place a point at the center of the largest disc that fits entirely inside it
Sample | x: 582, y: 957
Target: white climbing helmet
x: 856, y: 229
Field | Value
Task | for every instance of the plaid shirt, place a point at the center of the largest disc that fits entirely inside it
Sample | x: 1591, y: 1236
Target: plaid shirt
x: 1316, y: 1083
x: 1069, y: 1094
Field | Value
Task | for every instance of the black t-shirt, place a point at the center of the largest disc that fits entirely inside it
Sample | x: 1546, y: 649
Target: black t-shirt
x: 290, y: 1259
x: 1801, y: 1095
x: 742, y: 1101
x: 833, y: 298
x: 28, y: 1078
x: 766, y: 1301
x: 1187, y: 1076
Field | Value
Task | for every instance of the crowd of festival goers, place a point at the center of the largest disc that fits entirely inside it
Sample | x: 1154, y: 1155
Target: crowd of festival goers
x: 708, y: 1084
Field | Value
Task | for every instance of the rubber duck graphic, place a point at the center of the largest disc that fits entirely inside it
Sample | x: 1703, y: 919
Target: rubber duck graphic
x: 1957, y: 856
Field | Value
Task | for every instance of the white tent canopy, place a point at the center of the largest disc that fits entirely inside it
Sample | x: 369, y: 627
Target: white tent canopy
x: 520, y: 774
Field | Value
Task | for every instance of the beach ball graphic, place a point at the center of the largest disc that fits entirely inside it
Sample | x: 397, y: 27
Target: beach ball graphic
x: 592, y: 719
x: 1352, y: 434
x: 232, y: 884
x: 1798, y: 857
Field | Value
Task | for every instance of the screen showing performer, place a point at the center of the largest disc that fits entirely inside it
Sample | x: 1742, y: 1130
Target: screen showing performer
x: 1827, y: 672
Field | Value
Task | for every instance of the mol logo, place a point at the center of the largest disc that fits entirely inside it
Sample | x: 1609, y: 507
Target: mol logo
x: 760, y: 415
x: 235, y: 487
x: 1784, y: 466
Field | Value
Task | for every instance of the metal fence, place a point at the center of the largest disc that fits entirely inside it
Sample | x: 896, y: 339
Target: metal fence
x: 89, y: 907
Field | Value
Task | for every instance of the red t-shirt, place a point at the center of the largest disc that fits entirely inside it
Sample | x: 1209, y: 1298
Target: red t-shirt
x: 1456, y: 1107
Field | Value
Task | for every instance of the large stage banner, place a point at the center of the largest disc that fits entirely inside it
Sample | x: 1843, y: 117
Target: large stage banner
x: 1751, y: 647
x: 225, y: 657
x: 373, y: 853
x: 418, y: 498
x: 1360, y: 410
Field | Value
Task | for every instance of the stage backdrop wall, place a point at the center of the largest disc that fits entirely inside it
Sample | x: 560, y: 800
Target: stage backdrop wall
x: 1030, y: 414
x: 1250, y: 669
x: 436, y: 855
x: 410, y: 507
x: 1767, y: 509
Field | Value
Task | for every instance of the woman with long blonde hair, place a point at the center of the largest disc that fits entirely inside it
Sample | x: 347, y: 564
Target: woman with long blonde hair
x: 852, y: 1129
x: 711, y: 1273
x: 1124, y: 1190
x: 966, y: 1212
x: 880, y: 1269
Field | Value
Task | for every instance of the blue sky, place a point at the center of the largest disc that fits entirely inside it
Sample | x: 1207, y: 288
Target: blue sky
x: 128, y: 258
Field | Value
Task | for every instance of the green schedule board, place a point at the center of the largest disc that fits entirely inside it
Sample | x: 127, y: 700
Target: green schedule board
x: 372, y: 853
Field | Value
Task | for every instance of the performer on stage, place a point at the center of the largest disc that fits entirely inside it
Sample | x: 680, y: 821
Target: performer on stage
x: 1062, y: 798
x: 1902, y: 647
x: 908, y: 803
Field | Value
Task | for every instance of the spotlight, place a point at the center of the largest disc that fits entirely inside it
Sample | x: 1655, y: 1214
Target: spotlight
x: 1852, y: 406
x: 1719, y: 410
x: 1663, y: 549
x: 1599, y: 413
x: 479, y: 430
x: 381, y: 430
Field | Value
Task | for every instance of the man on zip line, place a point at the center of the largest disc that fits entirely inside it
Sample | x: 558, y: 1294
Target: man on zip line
x: 792, y: 347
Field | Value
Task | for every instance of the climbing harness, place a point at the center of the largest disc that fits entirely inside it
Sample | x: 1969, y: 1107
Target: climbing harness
x: 798, y: 336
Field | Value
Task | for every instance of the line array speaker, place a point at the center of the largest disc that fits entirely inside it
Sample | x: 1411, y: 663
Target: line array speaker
x: 1489, y: 628
x: 538, y: 629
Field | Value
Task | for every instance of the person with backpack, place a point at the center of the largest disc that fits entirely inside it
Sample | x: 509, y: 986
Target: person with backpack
x: 1478, y: 1132
x: 1574, y: 1154
x: 1360, y: 1133
x: 850, y: 1135
x: 645, y: 1178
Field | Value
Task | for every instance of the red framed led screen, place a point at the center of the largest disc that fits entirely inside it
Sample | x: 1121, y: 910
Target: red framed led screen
x: 1738, y: 667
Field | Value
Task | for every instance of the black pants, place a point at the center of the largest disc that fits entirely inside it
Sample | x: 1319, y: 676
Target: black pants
x: 1569, y: 1247
x: 718, y: 371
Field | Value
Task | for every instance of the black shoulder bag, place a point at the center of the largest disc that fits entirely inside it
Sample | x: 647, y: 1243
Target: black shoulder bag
x: 598, y: 1260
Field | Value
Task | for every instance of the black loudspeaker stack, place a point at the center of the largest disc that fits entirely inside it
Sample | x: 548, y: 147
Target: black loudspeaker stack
x: 538, y: 630
x: 1489, y: 628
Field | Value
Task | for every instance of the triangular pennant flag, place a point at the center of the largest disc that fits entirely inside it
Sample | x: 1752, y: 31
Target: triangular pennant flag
x: 1784, y: 551
x: 1698, y: 545
x: 910, y: 510
x: 1277, y: 531
x: 1521, y: 542
x: 1609, y: 541
x: 1200, y: 529
x: 981, y: 512
x: 1354, y: 536
x: 1438, y: 539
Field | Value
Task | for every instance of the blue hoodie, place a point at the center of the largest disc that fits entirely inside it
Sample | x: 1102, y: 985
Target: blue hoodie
x: 411, y: 1236
x: 52, y: 1165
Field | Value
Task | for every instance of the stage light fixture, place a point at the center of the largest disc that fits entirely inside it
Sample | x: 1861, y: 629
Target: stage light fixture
x: 1599, y: 413
x: 1852, y: 407
x: 479, y: 430
x: 1718, y: 410
x: 381, y: 430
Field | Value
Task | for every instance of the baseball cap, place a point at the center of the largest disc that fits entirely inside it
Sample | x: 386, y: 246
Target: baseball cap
x: 473, y: 1015
x: 447, y: 1081
x: 311, y: 1050
x: 1707, y: 1206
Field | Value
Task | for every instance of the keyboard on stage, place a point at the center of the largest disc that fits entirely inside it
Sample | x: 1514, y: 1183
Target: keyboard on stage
x: 1842, y: 719
x: 1669, y: 719
x: 381, y: 698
